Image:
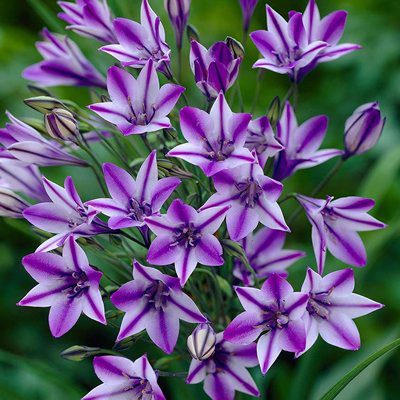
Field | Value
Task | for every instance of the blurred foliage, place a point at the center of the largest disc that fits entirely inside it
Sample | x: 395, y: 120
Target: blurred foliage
x: 30, y: 365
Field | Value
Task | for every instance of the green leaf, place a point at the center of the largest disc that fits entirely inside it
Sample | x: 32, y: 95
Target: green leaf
x: 339, y: 386
x: 47, y: 15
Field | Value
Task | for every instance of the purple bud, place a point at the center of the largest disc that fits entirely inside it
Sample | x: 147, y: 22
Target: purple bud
x: 11, y: 205
x: 201, y: 343
x: 363, y: 129
x: 61, y: 124
x: 178, y: 12
x: 248, y: 7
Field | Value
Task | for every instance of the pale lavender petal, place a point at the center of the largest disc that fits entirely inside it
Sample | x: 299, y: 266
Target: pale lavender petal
x: 44, y: 267
x: 112, y: 369
x: 147, y: 178
x: 64, y: 313
x: 49, y: 217
x: 135, y: 320
x: 162, y: 191
x: 185, y: 308
x: 167, y: 98
x: 196, y: 124
x: 120, y: 184
x: 268, y: 350
x: 241, y: 221
x: 276, y: 288
x: 293, y: 337
x: 179, y: 212
x: 162, y: 252
x: 353, y: 305
x: 245, y: 328
x: 209, y: 251
x: 93, y: 305
x: 185, y: 265
x: 332, y: 26
x: 270, y: 214
x: 250, y: 298
x: 197, y: 372
x: 163, y: 330
x: 42, y: 295
x: 208, y: 221
x: 219, y: 387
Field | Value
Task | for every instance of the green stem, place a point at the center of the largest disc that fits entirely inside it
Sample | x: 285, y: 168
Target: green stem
x: 130, y: 237
x: 260, y: 75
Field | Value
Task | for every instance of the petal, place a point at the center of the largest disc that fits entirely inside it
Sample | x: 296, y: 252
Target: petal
x: 244, y: 329
x: 335, y: 52
x: 147, y: 178
x: 192, y: 153
x: 241, y: 379
x: 276, y: 288
x: 64, y: 313
x: 163, y: 330
x: 109, y: 392
x: 93, y: 305
x: 266, y: 42
x: 162, y: 252
x: 270, y: 214
x: 121, y: 86
x: 52, y: 243
x: 160, y: 225
x: 179, y: 212
x: 209, y: 221
x: 347, y: 246
x: 278, y: 27
x: 120, y: 184
x: 209, y: 250
x: 219, y: 387
x: 295, y: 305
x: 74, y: 256
x: 353, y: 305
x: 42, y: 295
x: 108, y: 207
x: 311, y: 133
x: 354, y: 203
x: 287, y: 125
x: 49, y: 217
x: 341, y: 283
x: 331, y: 27
x: 293, y: 337
x: 268, y: 350
x: 251, y: 299
x: 197, y: 372
x: 185, y: 265
x: 59, y: 195
x: 167, y: 98
x: 340, y: 330
x: 111, y: 112
x: 241, y: 221
x: 45, y: 267
x: 112, y: 369
x: 128, y: 294
x: 148, y: 87
x: 162, y: 191
x: 312, y: 332
x: 184, y: 307
x: 195, y: 124
x: 135, y: 320
x: 357, y: 221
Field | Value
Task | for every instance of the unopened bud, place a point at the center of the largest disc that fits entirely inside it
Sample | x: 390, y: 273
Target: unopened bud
x: 43, y: 104
x: 192, y: 33
x: 235, y: 46
x: 61, y: 124
x: 201, y: 343
x: 79, y: 353
x: 168, y: 168
x: 11, y: 205
x: 363, y: 129
x: 274, y: 111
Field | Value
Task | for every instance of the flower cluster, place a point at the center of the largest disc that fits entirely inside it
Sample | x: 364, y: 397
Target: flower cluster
x: 192, y: 198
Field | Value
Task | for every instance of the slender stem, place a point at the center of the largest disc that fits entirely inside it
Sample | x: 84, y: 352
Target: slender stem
x: 180, y: 63
x: 260, y: 75
x: 146, y: 141
x: 172, y: 79
x: 172, y: 374
x: 286, y: 198
x: 128, y: 236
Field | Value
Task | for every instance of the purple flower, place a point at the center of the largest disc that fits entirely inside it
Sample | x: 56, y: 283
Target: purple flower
x: 248, y: 7
x: 63, y: 64
x: 65, y: 215
x: 89, y: 18
x: 139, y: 43
x: 329, y: 30
x: 132, y: 200
x: 331, y: 308
x: 301, y: 143
x: 261, y: 138
x: 155, y: 302
x: 264, y: 251
x: 363, y: 129
x: 285, y: 46
x: 252, y: 198
x: 226, y: 370
x: 11, y: 205
x: 274, y: 312
x: 138, y: 105
x: 67, y: 284
x: 185, y: 238
x: 26, y: 144
x: 125, y: 379
x: 216, y: 140
x: 215, y: 69
x: 335, y: 224
x: 178, y: 12
x: 21, y: 177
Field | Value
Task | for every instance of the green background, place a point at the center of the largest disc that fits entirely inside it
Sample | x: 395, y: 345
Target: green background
x: 30, y: 365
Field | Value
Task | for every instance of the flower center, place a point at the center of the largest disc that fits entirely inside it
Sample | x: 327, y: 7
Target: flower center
x: 318, y: 304
x: 157, y: 294
x: 78, y: 219
x: 137, y: 211
x: 274, y: 318
x: 140, y: 389
x: 187, y: 236
x: 224, y: 150
x: 217, y: 362
x: 250, y: 191
x: 79, y: 282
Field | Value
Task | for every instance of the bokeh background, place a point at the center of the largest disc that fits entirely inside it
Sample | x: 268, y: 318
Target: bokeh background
x: 30, y: 364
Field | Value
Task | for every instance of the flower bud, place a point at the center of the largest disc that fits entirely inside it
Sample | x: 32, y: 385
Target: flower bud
x: 11, y: 205
x: 79, y: 353
x: 61, y: 124
x: 43, y: 104
x: 192, y: 33
x: 235, y: 46
x: 201, y: 343
x: 168, y: 168
x: 363, y: 129
x: 178, y: 13
x: 274, y: 111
